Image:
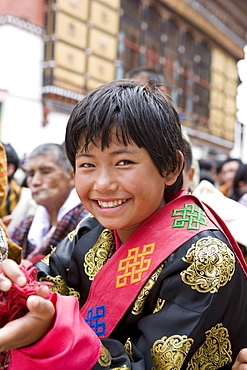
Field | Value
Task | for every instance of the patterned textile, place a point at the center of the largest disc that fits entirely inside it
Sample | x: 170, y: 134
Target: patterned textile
x: 3, y: 174
x: 14, y: 251
x: 20, y: 234
x: 3, y: 245
x: 12, y: 199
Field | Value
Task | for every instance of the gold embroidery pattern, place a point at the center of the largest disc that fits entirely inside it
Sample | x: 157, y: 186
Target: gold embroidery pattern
x: 212, y: 265
x: 129, y: 349
x: 140, y: 301
x: 60, y: 286
x: 215, y: 352
x: 159, y: 305
x: 134, y: 265
x: 124, y: 367
x: 98, y: 255
x: 105, y: 357
x: 74, y: 232
x: 46, y: 259
x: 169, y: 353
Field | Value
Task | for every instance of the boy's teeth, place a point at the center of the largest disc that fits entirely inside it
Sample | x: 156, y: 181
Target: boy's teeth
x: 111, y: 204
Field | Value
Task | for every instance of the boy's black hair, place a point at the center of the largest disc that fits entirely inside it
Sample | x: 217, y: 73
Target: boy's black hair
x: 133, y: 113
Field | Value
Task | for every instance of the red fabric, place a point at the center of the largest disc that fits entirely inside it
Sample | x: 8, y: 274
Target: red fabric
x: 37, y: 258
x: 71, y: 344
x: 13, y: 302
x: 149, y: 231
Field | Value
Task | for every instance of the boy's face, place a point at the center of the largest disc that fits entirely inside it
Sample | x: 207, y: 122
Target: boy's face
x: 120, y: 185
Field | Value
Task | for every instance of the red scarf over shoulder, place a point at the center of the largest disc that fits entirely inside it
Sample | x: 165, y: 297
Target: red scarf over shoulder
x: 117, y: 284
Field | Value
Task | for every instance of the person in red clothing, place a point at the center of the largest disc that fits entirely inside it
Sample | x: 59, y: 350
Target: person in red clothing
x: 152, y: 278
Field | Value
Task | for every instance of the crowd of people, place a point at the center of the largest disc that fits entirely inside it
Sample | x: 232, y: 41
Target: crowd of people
x: 143, y: 246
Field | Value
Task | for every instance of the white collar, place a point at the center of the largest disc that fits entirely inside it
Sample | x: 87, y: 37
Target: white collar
x: 41, y: 222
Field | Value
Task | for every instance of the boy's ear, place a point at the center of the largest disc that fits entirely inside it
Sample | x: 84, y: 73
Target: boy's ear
x: 171, y: 177
x: 71, y: 175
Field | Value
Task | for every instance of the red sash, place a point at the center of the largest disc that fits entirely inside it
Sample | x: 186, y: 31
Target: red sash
x: 117, y: 284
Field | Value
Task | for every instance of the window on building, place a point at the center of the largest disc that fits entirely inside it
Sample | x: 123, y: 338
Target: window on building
x: 170, y: 52
x: 131, y: 33
x: 186, y: 83
x: 202, y: 92
x: 152, y: 38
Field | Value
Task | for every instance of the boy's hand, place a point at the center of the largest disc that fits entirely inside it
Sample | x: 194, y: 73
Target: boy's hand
x: 36, y: 323
x: 12, y: 274
x: 241, y: 360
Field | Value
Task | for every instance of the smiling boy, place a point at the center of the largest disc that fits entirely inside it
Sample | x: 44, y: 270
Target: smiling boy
x: 153, y: 278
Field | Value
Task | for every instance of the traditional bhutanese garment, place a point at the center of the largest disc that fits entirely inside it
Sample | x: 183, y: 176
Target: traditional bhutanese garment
x: 13, y: 196
x: 189, y: 312
x: 15, y: 200
x: 13, y: 250
x: 3, y: 174
x: 3, y: 245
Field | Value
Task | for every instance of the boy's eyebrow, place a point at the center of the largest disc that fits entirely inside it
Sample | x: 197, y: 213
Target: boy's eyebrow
x: 83, y: 154
x: 115, y: 152
x: 123, y: 151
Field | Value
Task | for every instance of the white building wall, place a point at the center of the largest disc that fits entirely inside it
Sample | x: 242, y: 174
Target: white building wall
x: 21, y: 76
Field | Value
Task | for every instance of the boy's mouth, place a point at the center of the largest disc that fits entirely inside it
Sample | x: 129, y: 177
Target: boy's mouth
x: 112, y: 203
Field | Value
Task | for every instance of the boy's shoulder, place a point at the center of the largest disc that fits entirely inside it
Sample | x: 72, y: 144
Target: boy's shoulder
x: 88, y: 223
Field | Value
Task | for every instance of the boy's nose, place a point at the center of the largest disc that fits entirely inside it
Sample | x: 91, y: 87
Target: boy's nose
x: 105, y: 182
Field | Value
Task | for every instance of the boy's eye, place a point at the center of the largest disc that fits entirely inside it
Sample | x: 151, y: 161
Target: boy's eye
x: 86, y: 165
x: 124, y: 162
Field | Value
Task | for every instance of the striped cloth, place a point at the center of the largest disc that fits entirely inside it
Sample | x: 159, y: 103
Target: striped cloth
x: 13, y: 197
x: 3, y: 174
x: 13, y: 252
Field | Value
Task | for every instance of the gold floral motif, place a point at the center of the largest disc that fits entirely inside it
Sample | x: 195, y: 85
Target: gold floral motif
x: 98, y: 255
x: 159, y: 305
x: 105, y: 357
x: 60, y: 286
x: 170, y: 353
x: 215, y: 351
x: 74, y: 232
x: 142, y: 296
x: 212, y: 265
x: 129, y: 349
x: 46, y: 259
